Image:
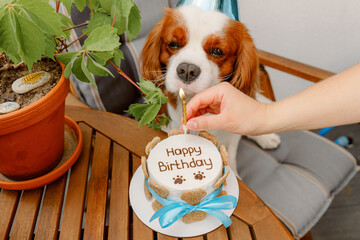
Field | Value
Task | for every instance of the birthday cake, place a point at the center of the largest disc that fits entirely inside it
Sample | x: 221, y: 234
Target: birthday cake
x: 184, y: 168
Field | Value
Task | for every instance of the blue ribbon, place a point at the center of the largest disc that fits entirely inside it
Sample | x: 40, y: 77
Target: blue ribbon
x: 174, y: 210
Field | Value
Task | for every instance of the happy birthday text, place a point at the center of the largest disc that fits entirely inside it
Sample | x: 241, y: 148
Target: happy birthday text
x: 184, y: 151
x: 181, y: 164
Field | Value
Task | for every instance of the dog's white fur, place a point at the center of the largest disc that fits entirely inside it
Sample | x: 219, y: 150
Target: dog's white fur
x: 200, y: 24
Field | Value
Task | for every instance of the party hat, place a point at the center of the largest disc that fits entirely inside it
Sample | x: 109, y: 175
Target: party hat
x: 228, y: 7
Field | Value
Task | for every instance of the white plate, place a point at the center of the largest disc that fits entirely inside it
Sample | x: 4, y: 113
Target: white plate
x: 143, y: 209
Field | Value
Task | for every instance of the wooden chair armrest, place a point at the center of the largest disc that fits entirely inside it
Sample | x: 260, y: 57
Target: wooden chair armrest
x: 304, y: 71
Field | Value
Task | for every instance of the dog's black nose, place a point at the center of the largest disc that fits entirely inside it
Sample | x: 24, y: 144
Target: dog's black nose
x: 188, y: 72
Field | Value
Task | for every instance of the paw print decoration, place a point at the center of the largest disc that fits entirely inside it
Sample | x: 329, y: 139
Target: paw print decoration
x: 179, y: 179
x: 199, y: 175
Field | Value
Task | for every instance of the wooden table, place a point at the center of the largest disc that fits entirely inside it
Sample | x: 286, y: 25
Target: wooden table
x: 112, y: 147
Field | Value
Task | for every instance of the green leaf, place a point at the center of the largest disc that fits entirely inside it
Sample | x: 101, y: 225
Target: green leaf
x: 148, y: 86
x: 80, y: 4
x: 101, y: 57
x: 147, y: 112
x: 98, y: 20
x: 134, y: 22
x: 67, y: 4
x: 127, y: 16
x: 3, y: 3
x: 49, y: 46
x: 118, y: 55
x: 76, y: 69
x: 87, y: 73
x: 20, y: 38
x: 106, y: 5
x: 94, y: 4
x: 97, y: 69
x: 65, y: 23
x: 102, y: 39
x: 66, y: 58
x: 150, y: 113
x: 32, y: 24
x: 156, y: 124
x: 67, y: 71
x: 137, y: 110
x: 42, y: 14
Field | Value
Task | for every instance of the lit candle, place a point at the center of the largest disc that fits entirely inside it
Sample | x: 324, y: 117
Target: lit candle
x: 182, y: 96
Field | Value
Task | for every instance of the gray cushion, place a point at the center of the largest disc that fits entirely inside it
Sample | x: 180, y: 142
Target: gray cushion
x: 299, y: 179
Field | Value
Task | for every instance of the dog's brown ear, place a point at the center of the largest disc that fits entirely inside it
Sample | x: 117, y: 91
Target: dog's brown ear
x: 246, y: 68
x: 150, y: 54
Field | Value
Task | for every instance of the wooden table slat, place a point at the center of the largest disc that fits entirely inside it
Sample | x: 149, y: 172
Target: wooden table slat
x: 219, y: 233
x: 26, y: 215
x: 50, y: 212
x: 250, y: 208
x: 119, y: 196
x: 97, y: 189
x: 165, y: 237
x: 74, y: 203
x: 239, y: 230
x: 9, y: 200
x: 269, y: 229
x: 139, y: 230
x: 252, y: 219
x: 120, y: 129
x: 194, y: 238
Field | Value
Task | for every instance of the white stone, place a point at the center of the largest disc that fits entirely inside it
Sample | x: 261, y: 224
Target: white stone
x: 7, y: 107
x: 184, y: 162
x: 30, y: 82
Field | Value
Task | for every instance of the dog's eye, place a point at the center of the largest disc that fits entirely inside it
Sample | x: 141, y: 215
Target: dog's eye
x: 174, y: 45
x: 216, y: 52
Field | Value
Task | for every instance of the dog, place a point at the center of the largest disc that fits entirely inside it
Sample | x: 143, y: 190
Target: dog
x: 195, y: 49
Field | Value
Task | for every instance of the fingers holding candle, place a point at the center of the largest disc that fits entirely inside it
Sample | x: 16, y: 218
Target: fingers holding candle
x: 208, y: 101
x: 229, y: 109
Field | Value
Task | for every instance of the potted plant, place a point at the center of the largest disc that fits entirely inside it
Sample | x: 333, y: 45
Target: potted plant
x: 31, y: 138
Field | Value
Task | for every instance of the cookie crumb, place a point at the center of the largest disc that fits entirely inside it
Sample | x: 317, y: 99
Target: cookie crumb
x: 193, y: 197
x: 156, y: 205
x: 209, y: 137
x: 224, y: 155
x: 147, y: 192
x: 151, y: 144
x: 194, y: 217
x: 160, y: 190
x: 176, y: 131
x: 221, y: 180
x: 144, y: 167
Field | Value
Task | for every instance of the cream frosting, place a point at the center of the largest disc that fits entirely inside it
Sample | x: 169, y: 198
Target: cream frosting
x: 184, y: 162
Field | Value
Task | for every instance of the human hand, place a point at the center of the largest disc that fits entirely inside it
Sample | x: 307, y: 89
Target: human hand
x: 229, y: 109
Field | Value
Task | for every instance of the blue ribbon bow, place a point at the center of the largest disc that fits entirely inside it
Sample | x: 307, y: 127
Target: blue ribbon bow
x: 174, y: 210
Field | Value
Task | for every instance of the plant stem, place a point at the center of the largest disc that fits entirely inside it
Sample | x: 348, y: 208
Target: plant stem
x: 114, y: 18
x: 66, y: 47
x: 92, y: 13
x: 57, y: 6
x: 76, y: 26
x: 125, y: 76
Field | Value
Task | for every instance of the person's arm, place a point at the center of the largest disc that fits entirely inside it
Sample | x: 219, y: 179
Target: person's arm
x: 334, y: 101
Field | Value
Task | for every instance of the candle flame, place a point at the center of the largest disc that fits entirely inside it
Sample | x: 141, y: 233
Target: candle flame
x: 181, y: 93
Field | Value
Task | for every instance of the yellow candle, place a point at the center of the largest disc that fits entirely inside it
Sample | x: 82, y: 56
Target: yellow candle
x: 182, y: 96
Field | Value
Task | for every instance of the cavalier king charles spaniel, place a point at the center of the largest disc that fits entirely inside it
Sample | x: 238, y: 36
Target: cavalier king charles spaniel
x: 195, y: 49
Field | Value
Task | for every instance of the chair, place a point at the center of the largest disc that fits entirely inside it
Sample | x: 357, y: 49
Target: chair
x: 300, y: 178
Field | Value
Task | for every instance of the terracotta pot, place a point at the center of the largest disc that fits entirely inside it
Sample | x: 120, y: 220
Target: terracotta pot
x: 32, y: 138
